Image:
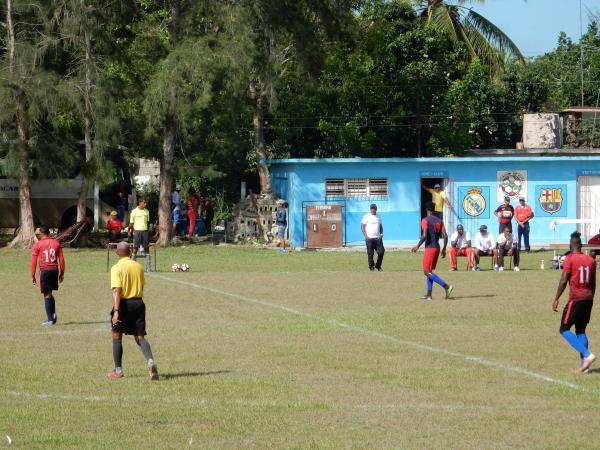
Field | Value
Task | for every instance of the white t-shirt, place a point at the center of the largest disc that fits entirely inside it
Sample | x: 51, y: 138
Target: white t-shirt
x: 506, y: 243
x: 372, y: 223
x: 485, y: 243
x: 176, y: 198
x: 461, y: 241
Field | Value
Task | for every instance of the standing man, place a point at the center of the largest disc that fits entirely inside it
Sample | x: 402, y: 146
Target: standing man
x: 432, y: 229
x: 129, y: 311
x: 176, y: 196
x: 505, y: 213
x: 460, y: 245
x: 139, y: 223
x: 524, y: 214
x: 372, y: 230
x: 507, y: 246
x: 191, y: 203
x: 579, y: 272
x: 438, y: 197
x: 281, y: 222
x: 50, y: 255
x: 485, y: 245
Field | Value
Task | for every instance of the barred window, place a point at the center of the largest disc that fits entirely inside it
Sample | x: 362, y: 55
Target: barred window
x: 356, y: 187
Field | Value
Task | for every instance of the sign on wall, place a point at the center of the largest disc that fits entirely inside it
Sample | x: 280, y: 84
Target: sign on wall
x: 512, y: 183
x: 473, y: 202
x: 550, y: 200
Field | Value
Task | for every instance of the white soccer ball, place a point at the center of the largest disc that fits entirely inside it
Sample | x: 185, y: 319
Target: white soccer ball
x: 175, y: 268
x: 185, y: 267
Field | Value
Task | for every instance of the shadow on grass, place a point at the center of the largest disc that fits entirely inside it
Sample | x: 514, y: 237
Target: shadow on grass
x: 593, y: 371
x: 461, y: 297
x: 169, y: 376
x: 86, y: 323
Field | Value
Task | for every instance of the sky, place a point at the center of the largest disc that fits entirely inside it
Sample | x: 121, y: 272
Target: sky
x: 534, y: 25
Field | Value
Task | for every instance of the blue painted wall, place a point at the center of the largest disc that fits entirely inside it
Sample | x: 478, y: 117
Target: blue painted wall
x: 300, y: 181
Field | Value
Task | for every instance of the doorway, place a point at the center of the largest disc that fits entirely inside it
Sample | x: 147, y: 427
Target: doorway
x: 425, y: 195
x: 588, y: 206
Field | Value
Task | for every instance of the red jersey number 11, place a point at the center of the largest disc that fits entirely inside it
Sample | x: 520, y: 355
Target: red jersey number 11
x: 51, y: 256
x: 584, y: 275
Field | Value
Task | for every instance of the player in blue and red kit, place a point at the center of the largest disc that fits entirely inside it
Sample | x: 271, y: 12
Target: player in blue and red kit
x: 432, y: 230
x: 579, y: 272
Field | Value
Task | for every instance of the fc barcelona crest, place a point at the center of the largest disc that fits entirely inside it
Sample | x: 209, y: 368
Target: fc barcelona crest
x: 551, y: 200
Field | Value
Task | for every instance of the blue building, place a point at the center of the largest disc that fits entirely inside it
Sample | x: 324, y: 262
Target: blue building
x: 563, y: 192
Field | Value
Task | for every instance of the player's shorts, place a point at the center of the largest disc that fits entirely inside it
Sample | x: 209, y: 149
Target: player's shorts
x: 141, y: 239
x: 576, y: 313
x: 430, y: 259
x: 48, y: 280
x: 132, y: 316
x: 281, y: 231
x: 175, y: 215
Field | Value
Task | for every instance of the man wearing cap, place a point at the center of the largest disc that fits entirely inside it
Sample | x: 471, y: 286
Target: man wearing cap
x: 460, y: 245
x: 524, y: 214
x: 507, y: 246
x: 505, y: 213
x: 372, y: 230
x: 281, y: 222
x: 438, y: 198
x: 485, y: 245
x: 114, y: 227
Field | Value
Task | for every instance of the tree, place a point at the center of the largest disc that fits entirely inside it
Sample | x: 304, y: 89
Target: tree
x: 27, y: 94
x: 483, y: 39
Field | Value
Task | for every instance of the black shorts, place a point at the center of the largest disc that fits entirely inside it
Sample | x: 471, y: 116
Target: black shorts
x: 141, y: 239
x: 49, y: 280
x: 132, y: 317
x: 576, y: 313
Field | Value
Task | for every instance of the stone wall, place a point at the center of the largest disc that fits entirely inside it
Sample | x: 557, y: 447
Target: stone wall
x: 253, y: 218
x: 542, y: 131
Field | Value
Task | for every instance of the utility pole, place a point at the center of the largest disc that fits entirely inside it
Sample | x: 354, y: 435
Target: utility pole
x: 581, y: 48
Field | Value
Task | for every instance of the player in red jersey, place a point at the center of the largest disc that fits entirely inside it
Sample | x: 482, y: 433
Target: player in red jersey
x: 50, y: 255
x: 432, y: 229
x: 579, y: 272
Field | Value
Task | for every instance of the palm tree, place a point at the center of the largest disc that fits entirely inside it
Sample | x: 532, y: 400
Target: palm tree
x: 483, y: 39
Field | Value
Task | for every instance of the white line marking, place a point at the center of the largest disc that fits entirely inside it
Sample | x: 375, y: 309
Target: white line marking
x: 53, y: 332
x: 470, y: 358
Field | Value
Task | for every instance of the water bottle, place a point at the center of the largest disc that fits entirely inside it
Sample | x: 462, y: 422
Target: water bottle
x: 542, y: 265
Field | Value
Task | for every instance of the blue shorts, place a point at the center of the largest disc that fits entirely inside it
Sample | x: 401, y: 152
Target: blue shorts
x: 281, y: 231
x: 175, y: 216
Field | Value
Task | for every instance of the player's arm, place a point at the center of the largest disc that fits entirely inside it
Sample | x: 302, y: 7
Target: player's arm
x: 61, y: 264
x: 34, y: 261
x: 116, y: 294
x: 423, y: 237
x: 497, y: 212
x: 445, y: 237
x: 131, y: 219
x: 562, y: 285
x: 381, y: 230
x: 363, y: 229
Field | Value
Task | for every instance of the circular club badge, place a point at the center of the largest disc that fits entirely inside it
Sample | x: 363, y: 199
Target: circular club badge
x: 512, y: 184
x: 474, y: 202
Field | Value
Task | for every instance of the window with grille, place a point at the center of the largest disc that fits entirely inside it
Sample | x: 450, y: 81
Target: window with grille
x: 356, y: 187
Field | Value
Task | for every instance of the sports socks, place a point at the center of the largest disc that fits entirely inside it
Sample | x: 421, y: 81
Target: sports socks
x: 50, y: 307
x: 117, y: 345
x: 148, y: 263
x: 583, y: 340
x: 146, y: 350
x: 577, y: 344
x: 434, y: 278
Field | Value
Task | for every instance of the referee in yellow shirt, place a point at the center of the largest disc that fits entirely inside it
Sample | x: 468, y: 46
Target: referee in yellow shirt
x: 129, y: 311
x: 438, y: 198
x: 139, y: 224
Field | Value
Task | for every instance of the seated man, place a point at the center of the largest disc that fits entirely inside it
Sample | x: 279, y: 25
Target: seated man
x: 460, y: 245
x: 485, y: 245
x: 507, y: 246
x: 594, y: 241
x: 114, y: 227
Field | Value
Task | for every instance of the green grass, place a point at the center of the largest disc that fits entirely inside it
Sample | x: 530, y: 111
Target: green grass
x: 353, y: 362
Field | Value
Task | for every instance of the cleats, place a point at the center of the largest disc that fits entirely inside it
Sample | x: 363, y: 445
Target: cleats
x: 477, y: 268
x: 453, y: 269
x: 587, y: 362
x: 496, y: 268
x: 425, y: 297
x: 54, y: 319
x: 379, y: 269
x: 500, y: 269
x: 516, y: 269
x: 152, y: 371
x: 47, y: 323
x: 114, y: 374
x: 449, y: 291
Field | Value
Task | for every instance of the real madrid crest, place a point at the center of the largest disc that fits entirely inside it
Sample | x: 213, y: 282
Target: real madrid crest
x: 474, y: 202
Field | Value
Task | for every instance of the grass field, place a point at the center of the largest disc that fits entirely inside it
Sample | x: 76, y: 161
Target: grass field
x: 303, y: 350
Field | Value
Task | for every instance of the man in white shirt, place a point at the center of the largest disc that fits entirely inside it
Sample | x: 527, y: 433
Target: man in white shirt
x: 460, y: 245
x: 372, y: 230
x: 485, y: 245
x: 507, y: 246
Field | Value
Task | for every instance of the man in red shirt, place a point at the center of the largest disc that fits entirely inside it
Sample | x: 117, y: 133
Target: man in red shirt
x: 594, y: 241
x: 50, y: 256
x: 523, y: 214
x: 505, y: 213
x: 114, y: 227
x: 579, y: 272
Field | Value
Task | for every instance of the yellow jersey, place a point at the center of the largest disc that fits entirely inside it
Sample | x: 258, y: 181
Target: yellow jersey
x: 129, y: 276
x: 438, y: 199
x: 140, y: 218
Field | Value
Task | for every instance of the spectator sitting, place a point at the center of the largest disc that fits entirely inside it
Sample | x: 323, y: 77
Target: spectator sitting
x: 485, y: 245
x: 460, y: 245
x: 114, y: 227
x: 507, y: 246
x: 595, y: 241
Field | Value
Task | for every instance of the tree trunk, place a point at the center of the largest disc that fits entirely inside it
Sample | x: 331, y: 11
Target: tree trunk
x: 169, y: 134
x: 257, y: 97
x: 26, y: 235
x: 88, y: 124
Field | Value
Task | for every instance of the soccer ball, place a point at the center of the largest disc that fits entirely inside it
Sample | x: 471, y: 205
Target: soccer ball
x: 185, y: 267
x: 180, y: 267
x: 175, y: 268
